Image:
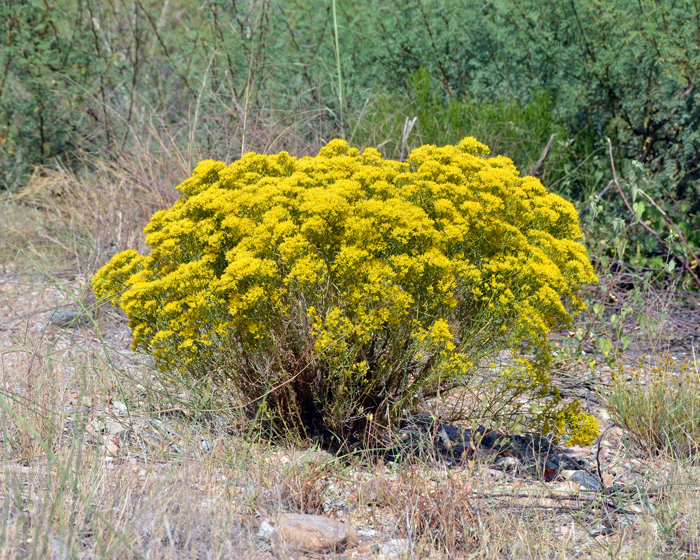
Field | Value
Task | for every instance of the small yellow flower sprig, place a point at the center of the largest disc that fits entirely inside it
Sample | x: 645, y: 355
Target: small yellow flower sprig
x: 337, y: 284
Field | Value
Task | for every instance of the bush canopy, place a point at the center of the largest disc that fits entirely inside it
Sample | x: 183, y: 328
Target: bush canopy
x: 330, y: 288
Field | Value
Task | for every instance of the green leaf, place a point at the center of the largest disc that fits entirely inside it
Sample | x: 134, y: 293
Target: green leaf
x: 605, y: 345
x: 656, y: 262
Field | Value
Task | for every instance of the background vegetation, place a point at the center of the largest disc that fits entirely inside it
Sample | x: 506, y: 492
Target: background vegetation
x: 216, y: 79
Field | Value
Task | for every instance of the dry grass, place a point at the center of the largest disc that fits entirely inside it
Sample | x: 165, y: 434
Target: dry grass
x: 104, y: 459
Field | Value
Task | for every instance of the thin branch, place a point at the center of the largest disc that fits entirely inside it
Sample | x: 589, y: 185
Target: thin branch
x: 591, y: 500
x: 536, y: 170
x: 597, y: 459
x: 407, y: 128
x: 673, y: 225
x: 651, y: 230
x: 600, y: 195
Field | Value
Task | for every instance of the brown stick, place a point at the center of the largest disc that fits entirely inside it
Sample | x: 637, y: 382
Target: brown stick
x: 670, y: 222
x: 651, y: 230
x: 536, y: 170
x: 597, y: 198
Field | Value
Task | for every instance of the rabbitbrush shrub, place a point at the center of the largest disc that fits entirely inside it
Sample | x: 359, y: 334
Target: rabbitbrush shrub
x: 332, y: 289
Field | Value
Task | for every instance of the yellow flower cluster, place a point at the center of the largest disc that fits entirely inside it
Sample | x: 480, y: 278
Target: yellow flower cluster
x: 425, y: 266
x: 581, y: 428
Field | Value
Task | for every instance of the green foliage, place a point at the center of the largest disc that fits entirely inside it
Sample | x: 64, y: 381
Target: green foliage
x: 517, y: 131
x: 45, y: 64
x: 84, y: 77
x: 620, y: 69
x: 332, y: 289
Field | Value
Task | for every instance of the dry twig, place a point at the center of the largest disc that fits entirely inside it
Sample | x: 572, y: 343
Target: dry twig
x: 538, y: 166
x: 684, y: 262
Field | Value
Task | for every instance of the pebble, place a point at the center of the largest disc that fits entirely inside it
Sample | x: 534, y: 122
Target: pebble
x: 68, y: 319
x: 498, y: 474
x: 312, y: 533
x: 113, y: 427
x: 367, y: 533
x: 604, y: 415
x: 266, y: 531
x: 388, y: 550
x: 508, y: 463
x: 120, y: 406
x: 585, y: 480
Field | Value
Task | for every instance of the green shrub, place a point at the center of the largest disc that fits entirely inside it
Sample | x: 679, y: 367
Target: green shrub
x: 518, y: 131
x: 327, y: 289
x: 79, y: 77
x: 659, y: 407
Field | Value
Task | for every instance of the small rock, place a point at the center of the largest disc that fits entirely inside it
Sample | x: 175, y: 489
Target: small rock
x: 584, y: 479
x: 113, y: 427
x: 447, y: 442
x: 367, y: 533
x: 68, y: 319
x: 508, y: 463
x: 266, y: 531
x: 95, y: 427
x: 315, y: 457
x: 120, y: 406
x: 389, y: 550
x: 495, y: 473
x: 313, y: 533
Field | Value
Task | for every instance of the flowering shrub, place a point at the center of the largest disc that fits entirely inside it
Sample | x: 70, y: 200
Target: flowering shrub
x: 327, y: 289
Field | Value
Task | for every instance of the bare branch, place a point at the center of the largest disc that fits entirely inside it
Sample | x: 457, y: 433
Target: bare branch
x: 538, y: 166
x: 684, y: 262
